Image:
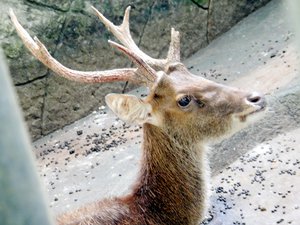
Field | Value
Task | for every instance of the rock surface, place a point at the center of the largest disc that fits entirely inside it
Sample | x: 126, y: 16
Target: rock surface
x: 74, y: 36
x: 224, y: 14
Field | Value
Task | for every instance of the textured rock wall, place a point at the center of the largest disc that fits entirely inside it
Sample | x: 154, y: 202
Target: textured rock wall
x: 74, y: 35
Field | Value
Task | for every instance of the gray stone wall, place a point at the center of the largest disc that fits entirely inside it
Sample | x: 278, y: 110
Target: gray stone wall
x: 75, y: 36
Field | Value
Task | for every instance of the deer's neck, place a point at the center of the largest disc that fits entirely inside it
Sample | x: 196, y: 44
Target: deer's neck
x: 172, y: 182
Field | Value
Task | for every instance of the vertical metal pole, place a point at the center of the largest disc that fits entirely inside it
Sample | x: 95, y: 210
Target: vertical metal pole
x: 295, y: 18
x: 21, y: 199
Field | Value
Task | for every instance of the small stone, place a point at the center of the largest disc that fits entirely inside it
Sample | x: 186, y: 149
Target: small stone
x: 263, y: 209
x: 280, y: 221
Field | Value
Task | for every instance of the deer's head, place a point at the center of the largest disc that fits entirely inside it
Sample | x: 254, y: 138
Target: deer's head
x: 182, y: 104
x: 189, y: 106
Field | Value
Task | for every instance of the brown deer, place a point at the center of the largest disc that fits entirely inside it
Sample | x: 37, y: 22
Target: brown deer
x: 181, y: 113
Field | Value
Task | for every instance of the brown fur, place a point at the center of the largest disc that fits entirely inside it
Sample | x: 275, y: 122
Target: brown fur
x: 172, y: 185
x: 170, y: 188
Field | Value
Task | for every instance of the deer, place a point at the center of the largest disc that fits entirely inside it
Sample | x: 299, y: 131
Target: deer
x: 181, y: 114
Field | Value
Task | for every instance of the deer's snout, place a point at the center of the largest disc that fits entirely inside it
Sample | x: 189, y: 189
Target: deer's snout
x: 256, y: 99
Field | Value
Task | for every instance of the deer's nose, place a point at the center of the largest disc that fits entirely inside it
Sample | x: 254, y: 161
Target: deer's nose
x: 256, y: 98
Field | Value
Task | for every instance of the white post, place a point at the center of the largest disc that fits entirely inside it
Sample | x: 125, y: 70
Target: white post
x: 295, y: 18
x: 21, y: 199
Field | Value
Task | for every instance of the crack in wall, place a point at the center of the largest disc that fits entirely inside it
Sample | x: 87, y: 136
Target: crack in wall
x: 58, y: 40
x: 31, y: 81
x: 146, y: 23
x: 207, y: 22
x: 43, y: 102
x: 200, y: 5
x: 53, y: 7
x: 141, y: 37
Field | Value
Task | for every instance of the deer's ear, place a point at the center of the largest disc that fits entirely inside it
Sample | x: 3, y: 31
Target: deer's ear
x: 129, y: 108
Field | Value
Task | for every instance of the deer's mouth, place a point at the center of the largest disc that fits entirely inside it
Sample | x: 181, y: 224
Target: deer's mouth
x: 243, y: 117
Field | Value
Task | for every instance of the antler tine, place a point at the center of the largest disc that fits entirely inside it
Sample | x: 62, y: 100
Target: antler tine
x: 122, y: 33
x: 174, y: 50
x: 42, y: 54
x: 143, y: 68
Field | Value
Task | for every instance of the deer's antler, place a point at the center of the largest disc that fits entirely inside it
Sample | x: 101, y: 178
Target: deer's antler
x: 41, y: 53
x: 122, y: 33
x: 145, y: 74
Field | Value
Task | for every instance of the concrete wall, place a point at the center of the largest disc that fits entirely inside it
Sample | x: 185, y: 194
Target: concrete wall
x: 75, y: 37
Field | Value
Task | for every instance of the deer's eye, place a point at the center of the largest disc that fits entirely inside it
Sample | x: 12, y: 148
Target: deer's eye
x: 184, y: 101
